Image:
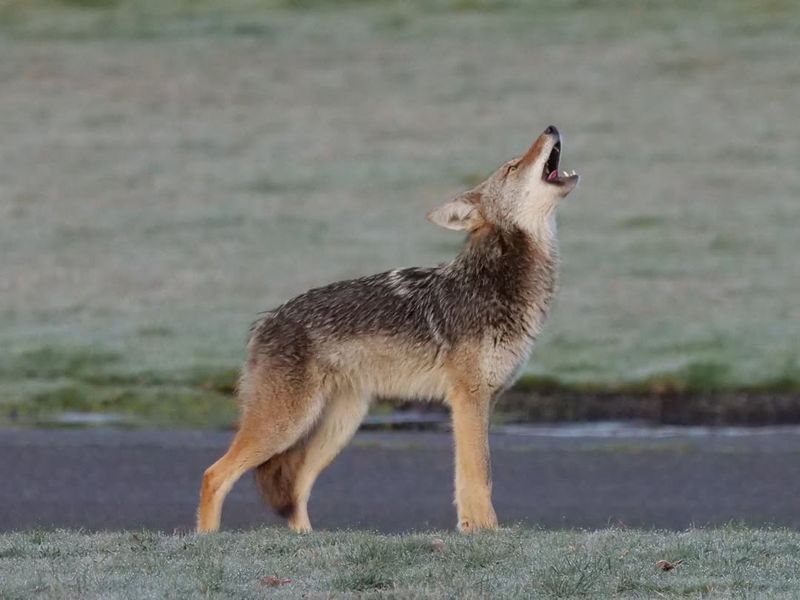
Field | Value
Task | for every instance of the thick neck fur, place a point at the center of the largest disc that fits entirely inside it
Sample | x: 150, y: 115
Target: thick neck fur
x: 508, y: 248
x: 508, y: 275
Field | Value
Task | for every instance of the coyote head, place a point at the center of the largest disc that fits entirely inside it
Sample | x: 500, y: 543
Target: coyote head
x: 522, y: 193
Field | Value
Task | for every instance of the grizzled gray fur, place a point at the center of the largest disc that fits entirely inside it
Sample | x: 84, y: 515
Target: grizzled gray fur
x: 489, y: 287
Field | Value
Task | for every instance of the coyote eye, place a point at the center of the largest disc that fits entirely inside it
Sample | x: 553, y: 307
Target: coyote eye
x: 511, y: 167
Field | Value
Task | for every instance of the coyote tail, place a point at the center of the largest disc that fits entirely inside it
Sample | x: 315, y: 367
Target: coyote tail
x: 276, y: 478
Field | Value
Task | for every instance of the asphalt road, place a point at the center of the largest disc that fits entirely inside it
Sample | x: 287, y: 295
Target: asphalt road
x: 105, y: 479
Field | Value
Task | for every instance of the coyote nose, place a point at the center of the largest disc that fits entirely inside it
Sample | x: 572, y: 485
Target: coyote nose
x: 551, y: 129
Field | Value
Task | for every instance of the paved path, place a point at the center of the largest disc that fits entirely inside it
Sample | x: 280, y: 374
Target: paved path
x: 103, y: 479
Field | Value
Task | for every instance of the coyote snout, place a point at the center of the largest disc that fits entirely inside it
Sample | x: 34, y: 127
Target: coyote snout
x: 459, y: 332
x: 522, y: 193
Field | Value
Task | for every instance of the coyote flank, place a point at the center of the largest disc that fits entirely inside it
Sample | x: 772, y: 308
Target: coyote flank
x: 459, y: 332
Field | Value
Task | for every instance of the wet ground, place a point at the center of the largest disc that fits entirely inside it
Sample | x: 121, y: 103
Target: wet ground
x: 553, y: 476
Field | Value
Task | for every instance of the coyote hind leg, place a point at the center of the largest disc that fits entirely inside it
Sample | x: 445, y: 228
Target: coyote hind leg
x: 286, y: 480
x: 262, y: 434
x: 243, y: 454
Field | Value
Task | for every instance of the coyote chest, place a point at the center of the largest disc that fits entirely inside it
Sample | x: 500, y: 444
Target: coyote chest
x: 504, y: 352
x: 501, y: 365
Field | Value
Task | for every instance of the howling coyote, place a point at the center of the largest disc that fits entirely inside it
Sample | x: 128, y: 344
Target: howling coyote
x: 460, y: 332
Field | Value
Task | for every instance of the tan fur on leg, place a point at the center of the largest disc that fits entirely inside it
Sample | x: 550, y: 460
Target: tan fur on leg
x: 286, y: 480
x: 261, y: 435
x: 245, y: 452
x: 343, y: 414
x: 473, y: 468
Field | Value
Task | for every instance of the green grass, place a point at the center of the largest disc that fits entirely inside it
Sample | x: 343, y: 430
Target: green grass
x: 170, y: 168
x: 731, y: 562
x: 48, y: 383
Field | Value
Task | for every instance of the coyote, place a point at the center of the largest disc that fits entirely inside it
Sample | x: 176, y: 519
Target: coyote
x: 459, y: 332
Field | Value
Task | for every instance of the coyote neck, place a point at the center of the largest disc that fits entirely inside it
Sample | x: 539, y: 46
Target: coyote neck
x: 511, y: 276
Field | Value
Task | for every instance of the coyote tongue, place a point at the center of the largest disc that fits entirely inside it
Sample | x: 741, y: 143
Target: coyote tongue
x: 553, y: 175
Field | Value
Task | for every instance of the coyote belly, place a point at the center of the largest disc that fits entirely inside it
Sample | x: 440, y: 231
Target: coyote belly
x: 459, y: 333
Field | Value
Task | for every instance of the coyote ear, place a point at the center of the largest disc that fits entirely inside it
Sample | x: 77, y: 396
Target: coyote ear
x: 461, y: 213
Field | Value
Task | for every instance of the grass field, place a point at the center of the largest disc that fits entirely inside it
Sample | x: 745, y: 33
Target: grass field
x: 517, y: 563
x: 169, y: 169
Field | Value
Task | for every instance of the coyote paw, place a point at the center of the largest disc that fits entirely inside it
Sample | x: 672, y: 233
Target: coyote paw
x: 468, y: 525
x: 301, y: 528
x: 300, y: 525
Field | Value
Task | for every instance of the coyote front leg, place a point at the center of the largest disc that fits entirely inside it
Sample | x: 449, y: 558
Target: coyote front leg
x: 473, y: 480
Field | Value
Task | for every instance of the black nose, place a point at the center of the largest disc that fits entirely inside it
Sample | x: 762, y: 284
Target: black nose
x: 551, y: 129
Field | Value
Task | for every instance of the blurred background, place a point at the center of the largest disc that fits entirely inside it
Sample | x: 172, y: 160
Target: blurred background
x: 169, y: 168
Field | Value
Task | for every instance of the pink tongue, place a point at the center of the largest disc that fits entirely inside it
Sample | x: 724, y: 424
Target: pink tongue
x: 553, y: 175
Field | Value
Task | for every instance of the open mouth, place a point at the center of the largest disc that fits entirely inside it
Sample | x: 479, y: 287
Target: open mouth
x: 550, y: 172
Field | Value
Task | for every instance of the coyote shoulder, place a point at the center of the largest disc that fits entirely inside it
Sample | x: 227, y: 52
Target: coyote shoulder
x: 459, y: 332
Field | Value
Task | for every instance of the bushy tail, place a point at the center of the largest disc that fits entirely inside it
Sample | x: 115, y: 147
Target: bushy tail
x: 276, y: 478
